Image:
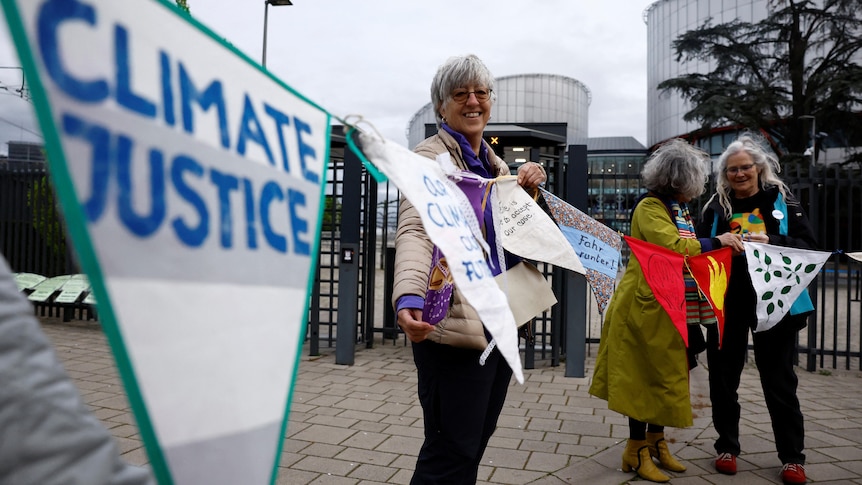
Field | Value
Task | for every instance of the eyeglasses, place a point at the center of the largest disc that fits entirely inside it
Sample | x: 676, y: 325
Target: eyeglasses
x: 742, y: 168
x: 461, y: 95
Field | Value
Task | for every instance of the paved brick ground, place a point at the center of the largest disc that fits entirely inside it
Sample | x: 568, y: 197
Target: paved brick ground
x: 362, y: 424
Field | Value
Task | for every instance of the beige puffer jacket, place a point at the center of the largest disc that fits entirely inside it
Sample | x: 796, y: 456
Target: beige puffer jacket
x: 461, y: 327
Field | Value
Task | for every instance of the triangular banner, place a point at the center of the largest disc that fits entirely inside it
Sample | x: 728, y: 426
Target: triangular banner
x: 597, y: 246
x: 191, y: 182
x: 779, y: 274
x: 711, y: 272
x: 451, y: 224
x: 857, y: 256
x: 662, y: 269
x: 526, y: 230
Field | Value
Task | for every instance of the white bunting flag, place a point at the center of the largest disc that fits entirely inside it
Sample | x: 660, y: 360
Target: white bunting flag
x: 856, y: 256
x: 779, y: 274
x: 526, y: 230
x: 191, y: 182
x: 447, y: 218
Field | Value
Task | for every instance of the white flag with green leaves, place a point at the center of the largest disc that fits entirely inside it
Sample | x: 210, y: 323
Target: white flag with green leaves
x: 779, y: 274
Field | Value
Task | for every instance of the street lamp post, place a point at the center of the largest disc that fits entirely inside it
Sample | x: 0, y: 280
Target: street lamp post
x: 813, y: 139
x: 267, y: 3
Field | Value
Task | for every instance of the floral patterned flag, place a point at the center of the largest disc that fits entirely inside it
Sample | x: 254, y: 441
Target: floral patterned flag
x: 597, y: 246
x: 662, y: 269
x: 779, y: 274
x: 711, y: 272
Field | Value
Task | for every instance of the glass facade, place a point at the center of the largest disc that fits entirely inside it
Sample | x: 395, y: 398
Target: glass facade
x: 613, y: 187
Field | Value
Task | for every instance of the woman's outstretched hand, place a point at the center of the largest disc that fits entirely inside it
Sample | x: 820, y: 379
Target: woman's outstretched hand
x: 410, y: 320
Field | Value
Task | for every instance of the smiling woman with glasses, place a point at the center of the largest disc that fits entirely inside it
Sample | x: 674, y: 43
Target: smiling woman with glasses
x: 461, y: 399
x: 752, y: 204
x: 741, y: 168
x: 461, y: 95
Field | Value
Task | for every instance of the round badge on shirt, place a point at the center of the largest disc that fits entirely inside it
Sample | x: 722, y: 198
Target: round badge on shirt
x: 777, y: 214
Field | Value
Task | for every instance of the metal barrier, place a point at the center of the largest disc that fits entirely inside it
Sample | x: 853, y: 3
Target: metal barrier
x: 32, y: 240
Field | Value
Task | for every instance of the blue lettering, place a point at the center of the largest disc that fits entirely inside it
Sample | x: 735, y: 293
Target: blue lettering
x: 470, y: 243
x: 298, y: 225
x: 100, y: 141
x: 191, y: 236
x: 167, y: 89
x: 141, y: 226
x: 125, y: 96
x: 305, y: 150
x: 250, y: 128
x: 52, y: 14
x: 250, y: 229
x: 212, y: 95
x: 435, y: 187
x: 281, y: 120
x: 225, y: 183
x: 435, y: 214
x: 270, y: 191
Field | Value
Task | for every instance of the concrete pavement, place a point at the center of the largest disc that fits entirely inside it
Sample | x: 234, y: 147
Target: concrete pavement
x: 362, y: 424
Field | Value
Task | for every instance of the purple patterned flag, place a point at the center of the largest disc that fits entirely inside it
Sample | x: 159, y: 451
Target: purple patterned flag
x: 597, y: 245
x: 439, y: 289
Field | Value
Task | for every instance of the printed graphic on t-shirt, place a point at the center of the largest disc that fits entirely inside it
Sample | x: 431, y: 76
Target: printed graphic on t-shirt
x: 745, y: 222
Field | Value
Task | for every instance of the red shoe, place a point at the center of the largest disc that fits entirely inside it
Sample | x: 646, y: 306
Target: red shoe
x: 726, y: 463
x: 793, y: 474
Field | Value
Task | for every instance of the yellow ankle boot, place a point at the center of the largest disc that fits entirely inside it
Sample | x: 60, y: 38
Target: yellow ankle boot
x: 658, y: 449
x: 636, y: 457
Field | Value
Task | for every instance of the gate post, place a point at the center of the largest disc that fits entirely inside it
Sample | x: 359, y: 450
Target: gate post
x: 575, y: 316
x: 348, y: 260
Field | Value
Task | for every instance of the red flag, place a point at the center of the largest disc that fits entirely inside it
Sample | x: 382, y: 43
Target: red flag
x: 662, y: 269
x: 711, y: 271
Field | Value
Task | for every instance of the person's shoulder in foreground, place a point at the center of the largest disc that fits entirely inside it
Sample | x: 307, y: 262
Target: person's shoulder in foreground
x: 49, y: 436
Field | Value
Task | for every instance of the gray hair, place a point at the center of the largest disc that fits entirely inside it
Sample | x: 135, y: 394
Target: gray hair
x: 765, y: 162
x: 458, y: 72
x: 676, y: 169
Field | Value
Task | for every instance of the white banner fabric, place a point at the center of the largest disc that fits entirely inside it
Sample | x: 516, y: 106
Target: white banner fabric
x: 526, y: 230
x: 191, y: 181
x: 441, y: 208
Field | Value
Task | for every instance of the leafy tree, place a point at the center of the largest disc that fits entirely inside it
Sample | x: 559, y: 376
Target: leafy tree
x: 331, y: 214
x: 802, y: 60
x: 46, y: 217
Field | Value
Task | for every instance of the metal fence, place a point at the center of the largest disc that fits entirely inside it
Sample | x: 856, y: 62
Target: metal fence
x: 351, y: 290
x: 833, y: 198
x: 32, y: 235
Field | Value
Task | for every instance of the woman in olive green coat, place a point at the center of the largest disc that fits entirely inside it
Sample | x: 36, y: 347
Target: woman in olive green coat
x: 642, y: 366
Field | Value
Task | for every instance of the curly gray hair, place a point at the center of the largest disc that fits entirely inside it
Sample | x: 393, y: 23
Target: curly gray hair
x: 765, y: 162
x: 676, y: 169
x: 458, y: 72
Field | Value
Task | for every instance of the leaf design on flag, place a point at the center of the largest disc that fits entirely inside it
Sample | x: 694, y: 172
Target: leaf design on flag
x: 717, y: 283
x: 779, y: 275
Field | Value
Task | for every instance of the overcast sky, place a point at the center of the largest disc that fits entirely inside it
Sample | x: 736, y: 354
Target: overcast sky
x: 377, y: 57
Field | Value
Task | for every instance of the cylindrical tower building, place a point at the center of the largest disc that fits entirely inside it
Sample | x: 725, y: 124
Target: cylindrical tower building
x: 666, y: 20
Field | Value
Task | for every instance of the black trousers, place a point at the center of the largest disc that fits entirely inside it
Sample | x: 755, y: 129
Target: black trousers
x: 461, y: 401
x: 774, y: 353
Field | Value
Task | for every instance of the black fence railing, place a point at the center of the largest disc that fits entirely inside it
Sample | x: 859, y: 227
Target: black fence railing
x: 32, y: 239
